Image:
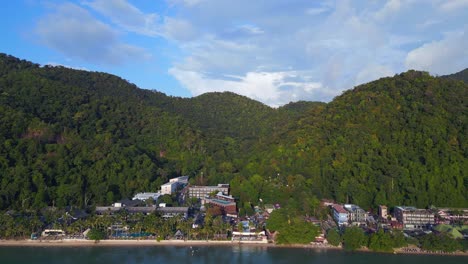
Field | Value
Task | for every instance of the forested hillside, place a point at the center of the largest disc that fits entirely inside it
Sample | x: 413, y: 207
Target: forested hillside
x: 80, y: 138
x: 399, y: 140
x: 70, y: 137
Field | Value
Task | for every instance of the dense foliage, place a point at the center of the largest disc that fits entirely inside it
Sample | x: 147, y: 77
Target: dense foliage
x: 385, y: 241
x: 70, y: 137
x: 354, y: 238
x: 291, y: 229
x: 333, y: 237
x: 440, y: 242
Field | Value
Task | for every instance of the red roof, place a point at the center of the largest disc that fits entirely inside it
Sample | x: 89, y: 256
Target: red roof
x: 339, y: 209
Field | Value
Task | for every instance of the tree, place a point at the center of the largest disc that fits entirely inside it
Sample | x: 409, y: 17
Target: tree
x: 381, y: 241
x: 333, y: 237
x: 96, y: 234
x: 354, y: 238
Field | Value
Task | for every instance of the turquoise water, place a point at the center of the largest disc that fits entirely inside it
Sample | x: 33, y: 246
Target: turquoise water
x: 206, y: 254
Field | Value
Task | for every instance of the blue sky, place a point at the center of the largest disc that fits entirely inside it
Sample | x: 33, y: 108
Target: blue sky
x: 273, y: 51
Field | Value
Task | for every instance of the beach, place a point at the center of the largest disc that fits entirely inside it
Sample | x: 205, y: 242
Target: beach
x: 149, y: 242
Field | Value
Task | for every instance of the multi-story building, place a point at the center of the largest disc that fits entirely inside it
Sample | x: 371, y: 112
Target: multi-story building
x: 355, y: 213
x: 227, y: 204
x: 412, y: 218
x: 383, y: 211
x: 339, y: 214
x: 171, y: 186
x: 203, y: 191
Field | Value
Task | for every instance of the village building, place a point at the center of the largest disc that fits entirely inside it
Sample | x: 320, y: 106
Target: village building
x: 174, y: 184
x: 201, y: 192
x: 225, y: 203
x: 356, y: 215
x: 383, y: 211
x: 339, y: 214
x: 168, y: 212
x: 413, y: 218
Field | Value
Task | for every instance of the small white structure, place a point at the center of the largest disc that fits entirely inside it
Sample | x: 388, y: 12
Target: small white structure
x: 249, y: 237
x: 146, y: 195
x: 53, y: 232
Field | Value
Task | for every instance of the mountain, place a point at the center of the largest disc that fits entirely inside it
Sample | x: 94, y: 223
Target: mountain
x: 70, y: 137
x: 77, y: 137
x: 461, y: 76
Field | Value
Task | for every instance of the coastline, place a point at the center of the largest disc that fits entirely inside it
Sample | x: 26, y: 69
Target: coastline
x: 143, y: 242
x: 147, y: 242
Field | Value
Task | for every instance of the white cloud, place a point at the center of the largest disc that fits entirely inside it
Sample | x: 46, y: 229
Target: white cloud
x: 132, y: 19
x: 272, y: 88
x: 373, y: 72
x: 445, y: 56
x: 127, y: 16
x: 313, y: 11
x: 273, y: 51
x: 178, y: 29
x: 72, y: 31
x: 188, y: 3
x: 453, y: 5
x: 389, y: 9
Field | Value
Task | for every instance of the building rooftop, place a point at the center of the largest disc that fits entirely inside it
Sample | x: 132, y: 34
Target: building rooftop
x: 222, y: 185
x: 223, y: 202
x: 181, y: 179
x: 339, y: 208
x: 146, y: 195
x: 172, y: 209
x: 352, y: 207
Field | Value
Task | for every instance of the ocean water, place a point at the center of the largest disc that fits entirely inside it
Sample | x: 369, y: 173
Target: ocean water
x: 207, y: 254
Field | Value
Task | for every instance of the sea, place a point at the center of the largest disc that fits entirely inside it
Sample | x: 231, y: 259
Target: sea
x: 208, y: 254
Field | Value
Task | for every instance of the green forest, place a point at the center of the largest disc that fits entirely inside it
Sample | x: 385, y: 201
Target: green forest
x: 79, y: 138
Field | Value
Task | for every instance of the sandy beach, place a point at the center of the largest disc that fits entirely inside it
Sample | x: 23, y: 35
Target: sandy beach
x: 143, y: 242
x: 146, y: 242
x: 116, y: 242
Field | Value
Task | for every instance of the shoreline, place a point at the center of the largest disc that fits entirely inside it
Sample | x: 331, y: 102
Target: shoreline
x: 182, y: 243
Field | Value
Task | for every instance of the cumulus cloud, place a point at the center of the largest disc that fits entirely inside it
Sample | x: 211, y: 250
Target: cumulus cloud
x: 444, y: 56
x: 271, y: 51
x: 72, y: 31
x: 338, y: 44
x: 272, y: 88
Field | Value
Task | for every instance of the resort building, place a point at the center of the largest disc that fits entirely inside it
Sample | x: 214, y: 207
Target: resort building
x: 203, y: 191
x: 227, y: 204
x: 339, y: 214
x: 169, y: 188
x: 355, y: 213
x: 412, y: 218
x: 173, y: 184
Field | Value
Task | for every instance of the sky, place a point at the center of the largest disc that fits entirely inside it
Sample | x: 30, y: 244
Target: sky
x: 273, y: 51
